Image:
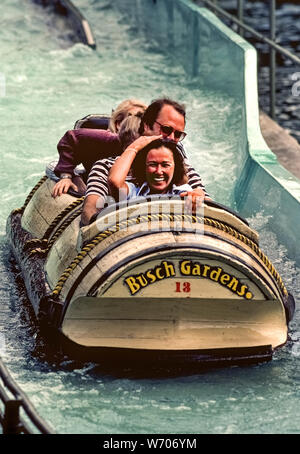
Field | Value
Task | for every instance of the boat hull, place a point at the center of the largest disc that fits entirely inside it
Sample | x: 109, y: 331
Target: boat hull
x: 149, y: 281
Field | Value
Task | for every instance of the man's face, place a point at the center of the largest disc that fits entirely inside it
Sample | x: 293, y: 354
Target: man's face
x: 168, y: 116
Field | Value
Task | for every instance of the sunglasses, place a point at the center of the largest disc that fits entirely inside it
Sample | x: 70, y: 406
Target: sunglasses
x: 168, y: 130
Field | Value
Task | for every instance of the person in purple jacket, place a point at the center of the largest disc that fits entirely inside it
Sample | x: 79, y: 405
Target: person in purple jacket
x: 86, y: 146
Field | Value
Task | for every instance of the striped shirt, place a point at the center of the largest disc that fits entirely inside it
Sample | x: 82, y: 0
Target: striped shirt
x: 98, y: 177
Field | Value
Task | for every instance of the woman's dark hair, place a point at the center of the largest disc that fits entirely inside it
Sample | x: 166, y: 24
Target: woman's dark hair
x: 139, y: 163
x: 152, y: 111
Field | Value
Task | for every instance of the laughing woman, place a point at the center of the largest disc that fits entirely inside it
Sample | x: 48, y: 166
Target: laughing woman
x: 157, y: 168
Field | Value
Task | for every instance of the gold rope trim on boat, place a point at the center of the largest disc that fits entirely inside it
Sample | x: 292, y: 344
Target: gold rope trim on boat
x: 61, y: 215
x: 45, y: 243
x: 30, y: 195
x: 160, y: 217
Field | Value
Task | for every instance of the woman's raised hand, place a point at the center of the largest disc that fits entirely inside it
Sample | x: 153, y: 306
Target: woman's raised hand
x: 141, y: 142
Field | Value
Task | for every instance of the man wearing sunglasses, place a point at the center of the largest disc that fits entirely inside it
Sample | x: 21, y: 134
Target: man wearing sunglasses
x: 166, y: 117
x: 162, y: 117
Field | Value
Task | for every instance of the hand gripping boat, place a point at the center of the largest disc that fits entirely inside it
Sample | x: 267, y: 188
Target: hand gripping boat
x: 147, y: 282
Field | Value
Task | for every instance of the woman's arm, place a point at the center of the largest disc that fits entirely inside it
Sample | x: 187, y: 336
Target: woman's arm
x: 91, y: 206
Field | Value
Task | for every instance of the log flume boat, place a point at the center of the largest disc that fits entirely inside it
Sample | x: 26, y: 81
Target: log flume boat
x: 147, y: 282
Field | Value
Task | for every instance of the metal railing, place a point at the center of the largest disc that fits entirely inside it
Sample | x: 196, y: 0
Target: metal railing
x: 271, y: 40
x: 10, y: 419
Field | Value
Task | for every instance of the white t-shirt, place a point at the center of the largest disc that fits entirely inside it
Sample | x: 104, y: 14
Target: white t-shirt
x: 144, y: 190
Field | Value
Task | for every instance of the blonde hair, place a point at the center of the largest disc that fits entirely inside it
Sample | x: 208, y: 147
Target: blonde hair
x: 129, y: 130
x: 123, y: 110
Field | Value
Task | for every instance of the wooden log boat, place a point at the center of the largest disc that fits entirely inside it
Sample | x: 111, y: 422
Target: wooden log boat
x: 147, y: 282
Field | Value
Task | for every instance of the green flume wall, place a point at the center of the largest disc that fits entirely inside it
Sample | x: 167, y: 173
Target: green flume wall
x: 226, y: 63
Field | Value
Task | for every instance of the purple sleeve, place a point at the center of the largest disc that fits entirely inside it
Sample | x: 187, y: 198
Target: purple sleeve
x: 85, y: 146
